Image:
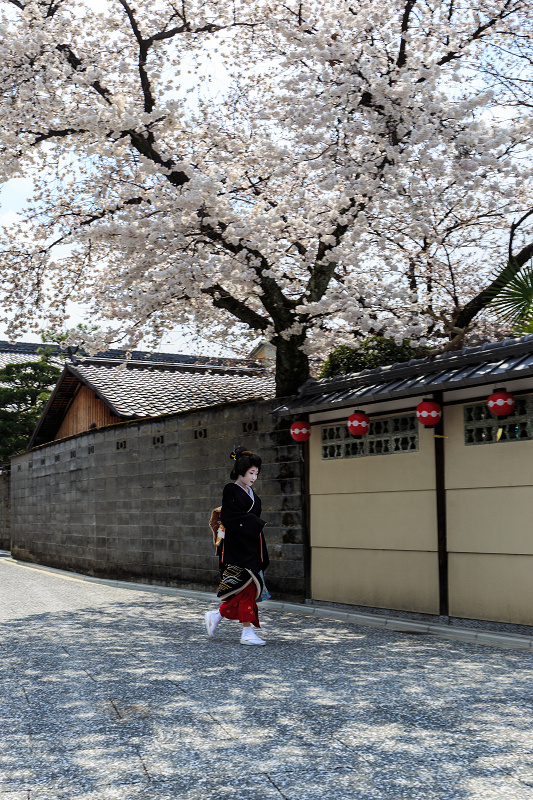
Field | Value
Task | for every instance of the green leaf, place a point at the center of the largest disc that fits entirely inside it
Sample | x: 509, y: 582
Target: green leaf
x: 24, y: 392
x: 374, y: 351
x: 514, y: 303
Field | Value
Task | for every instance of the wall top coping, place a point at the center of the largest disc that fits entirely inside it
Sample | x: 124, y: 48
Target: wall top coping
x: 124, y: 424
x: 491, y: 364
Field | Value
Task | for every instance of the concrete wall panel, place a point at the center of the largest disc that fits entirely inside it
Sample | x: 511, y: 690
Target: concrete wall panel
x: 378, y: 578
x: 392, y: 473
x: 493, y: 587
x: 495, y: 520
x: 375, y: 520
x: 474, y: 466
x: 374, y: 529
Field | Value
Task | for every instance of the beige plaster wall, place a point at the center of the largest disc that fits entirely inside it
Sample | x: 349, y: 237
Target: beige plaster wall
x: 495, y: 520
x: 489, y: 504
x: 491, y: 586
x: 403, y: 580
x: 375, y: 520
x: 395, y: 473
x: 502, y: 464
x: 374, y: 529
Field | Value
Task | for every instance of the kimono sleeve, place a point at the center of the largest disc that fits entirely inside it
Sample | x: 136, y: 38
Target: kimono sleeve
x: 234, y: 515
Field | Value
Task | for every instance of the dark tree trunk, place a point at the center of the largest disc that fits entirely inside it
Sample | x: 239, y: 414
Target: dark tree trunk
x: 292, y: 365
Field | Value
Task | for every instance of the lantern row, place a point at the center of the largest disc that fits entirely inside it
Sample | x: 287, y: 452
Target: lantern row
x: 500, y: 403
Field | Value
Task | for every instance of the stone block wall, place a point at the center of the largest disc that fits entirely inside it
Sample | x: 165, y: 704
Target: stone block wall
x: 133, y: 500
x: 5, y: 508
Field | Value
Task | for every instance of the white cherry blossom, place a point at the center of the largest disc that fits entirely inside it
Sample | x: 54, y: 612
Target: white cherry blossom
x: 357, y: 169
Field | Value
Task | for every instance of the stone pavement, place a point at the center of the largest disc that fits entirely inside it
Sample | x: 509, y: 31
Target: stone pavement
x: 115, y: 694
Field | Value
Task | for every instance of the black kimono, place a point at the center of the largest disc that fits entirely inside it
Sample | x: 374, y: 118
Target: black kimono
x: 244, y: 544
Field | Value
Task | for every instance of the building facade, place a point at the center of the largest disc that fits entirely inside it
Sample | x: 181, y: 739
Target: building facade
x: 429, y: 520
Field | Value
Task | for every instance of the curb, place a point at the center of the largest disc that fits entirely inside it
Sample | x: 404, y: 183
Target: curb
x: 478, y: 636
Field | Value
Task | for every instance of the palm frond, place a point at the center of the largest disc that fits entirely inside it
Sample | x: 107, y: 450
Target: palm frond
x: 525, y: 327
x: 514, y: 303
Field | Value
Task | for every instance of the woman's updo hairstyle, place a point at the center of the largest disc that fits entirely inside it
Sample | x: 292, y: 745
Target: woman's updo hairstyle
x: 244, y: 459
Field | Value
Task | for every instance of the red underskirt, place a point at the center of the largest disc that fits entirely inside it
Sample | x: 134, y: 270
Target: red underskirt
x: 242, y: 606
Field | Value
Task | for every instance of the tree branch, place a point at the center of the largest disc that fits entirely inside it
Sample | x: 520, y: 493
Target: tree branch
x: 400, y: 61
x: 51, y: 7
x: 133, y: 201
x: 280, y: 307
x: 477, y: 34
x: 76, y: 64
x: 144, y: 144
x: 144, y: 46
x: 513, y: 266
x: 51, y: 134
x: 323, y: 270
x: 187, y: 28
x: 221, y: 298
x: 146, y: 43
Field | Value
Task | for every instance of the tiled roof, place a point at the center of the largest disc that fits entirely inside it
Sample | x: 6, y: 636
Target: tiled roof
x: 141, y: 357
x: 16, y: 358
x: 27, y: 351
x: 151, y: 392
x: 29, y: 348
x: 474, y: 366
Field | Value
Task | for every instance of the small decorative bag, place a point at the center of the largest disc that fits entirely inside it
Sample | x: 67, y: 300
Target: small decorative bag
x: 217, y: 529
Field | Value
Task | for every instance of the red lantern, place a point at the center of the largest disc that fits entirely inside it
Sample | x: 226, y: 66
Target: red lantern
x: 428, y: 412
x: 358, y: 424
x: 500, y: 403
x: 300, y: 431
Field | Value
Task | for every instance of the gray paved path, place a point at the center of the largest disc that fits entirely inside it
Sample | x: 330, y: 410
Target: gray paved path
x: 115, y: 694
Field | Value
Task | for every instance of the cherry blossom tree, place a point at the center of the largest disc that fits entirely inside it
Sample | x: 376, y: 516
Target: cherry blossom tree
x: 359, y: 173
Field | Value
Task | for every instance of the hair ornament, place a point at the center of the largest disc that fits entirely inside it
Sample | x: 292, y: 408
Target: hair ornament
x: 242, y: 453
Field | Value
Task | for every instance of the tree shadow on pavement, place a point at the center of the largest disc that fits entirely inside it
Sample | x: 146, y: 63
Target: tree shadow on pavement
x: 132, y: 701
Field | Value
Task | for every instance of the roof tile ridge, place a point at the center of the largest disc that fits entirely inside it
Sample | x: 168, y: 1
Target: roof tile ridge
x: 468, y: 355
x: 22, y: 347
x: 364, y: 374
x: 162, y: 366
x: 178, y: 358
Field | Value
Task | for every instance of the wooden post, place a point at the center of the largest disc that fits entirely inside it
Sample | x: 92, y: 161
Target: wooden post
x: 306, y: 521
x: 440, y: 486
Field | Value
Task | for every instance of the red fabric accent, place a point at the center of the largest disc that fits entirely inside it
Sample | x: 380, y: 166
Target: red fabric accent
x: 242, y: 606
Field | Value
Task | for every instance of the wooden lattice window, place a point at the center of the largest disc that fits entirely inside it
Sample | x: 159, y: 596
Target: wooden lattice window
x: 386, y: 436
x: 481, y: 427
